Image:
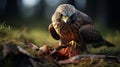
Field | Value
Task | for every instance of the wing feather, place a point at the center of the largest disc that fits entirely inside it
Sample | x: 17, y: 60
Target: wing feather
x: 90, y: 34
x: 83, y: 18
x: 53, y: 32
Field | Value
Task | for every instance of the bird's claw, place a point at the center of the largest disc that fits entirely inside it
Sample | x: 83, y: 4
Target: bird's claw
x: 73, y: 43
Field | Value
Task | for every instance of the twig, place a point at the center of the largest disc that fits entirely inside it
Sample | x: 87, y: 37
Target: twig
x: 79, y: 58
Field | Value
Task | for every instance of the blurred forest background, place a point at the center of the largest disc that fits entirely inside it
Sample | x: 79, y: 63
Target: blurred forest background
x: 35, y: 16
x: 29, y: 20
x: 37, y: 13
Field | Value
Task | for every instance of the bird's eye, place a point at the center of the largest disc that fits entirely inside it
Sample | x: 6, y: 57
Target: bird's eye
x: 73, y: 17
x: 60, y: 15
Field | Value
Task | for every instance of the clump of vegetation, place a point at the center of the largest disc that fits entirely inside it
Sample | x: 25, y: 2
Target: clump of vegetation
x: 5, y: 32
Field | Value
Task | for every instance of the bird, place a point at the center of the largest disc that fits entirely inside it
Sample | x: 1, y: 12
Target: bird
x: 70, y: 25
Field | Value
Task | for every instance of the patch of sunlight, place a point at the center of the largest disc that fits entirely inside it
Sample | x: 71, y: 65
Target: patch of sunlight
x: 30, y: 3
x: 115, y: 38
x: 41, y: 37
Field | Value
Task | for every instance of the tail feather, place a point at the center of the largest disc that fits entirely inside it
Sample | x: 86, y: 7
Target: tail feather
x: 108, y: 44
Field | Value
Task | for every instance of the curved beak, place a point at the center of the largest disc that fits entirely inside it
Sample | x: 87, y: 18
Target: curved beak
x: 65, y: 19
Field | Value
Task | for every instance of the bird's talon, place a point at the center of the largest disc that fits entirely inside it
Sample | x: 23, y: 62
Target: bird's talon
x: 73, y: 43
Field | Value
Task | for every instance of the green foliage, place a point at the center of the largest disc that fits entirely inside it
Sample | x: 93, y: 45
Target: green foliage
x: 5, y: 32
x: 4, y: 29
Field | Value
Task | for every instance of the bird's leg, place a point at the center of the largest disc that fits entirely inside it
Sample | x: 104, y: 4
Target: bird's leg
x: 87, y: 48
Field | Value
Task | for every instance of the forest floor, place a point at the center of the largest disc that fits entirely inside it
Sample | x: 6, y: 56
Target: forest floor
x: 41, y: 37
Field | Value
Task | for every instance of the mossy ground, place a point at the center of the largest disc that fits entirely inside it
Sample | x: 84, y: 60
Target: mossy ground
x: 42, y: 37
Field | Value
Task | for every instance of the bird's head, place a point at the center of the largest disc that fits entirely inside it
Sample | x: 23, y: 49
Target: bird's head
x: 67, y: 13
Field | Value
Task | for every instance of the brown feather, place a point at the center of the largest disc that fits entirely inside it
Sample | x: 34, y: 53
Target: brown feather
x: 53, y: 32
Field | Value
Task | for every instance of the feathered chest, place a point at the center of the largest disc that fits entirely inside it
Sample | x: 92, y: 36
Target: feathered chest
x: 66, y: 31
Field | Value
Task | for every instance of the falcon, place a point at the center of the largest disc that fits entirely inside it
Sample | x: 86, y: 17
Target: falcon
x: 70, y: 25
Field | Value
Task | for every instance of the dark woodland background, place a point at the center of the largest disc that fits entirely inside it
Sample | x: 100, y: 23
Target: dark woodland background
x: 37, y: 13
x: 27, y: 21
